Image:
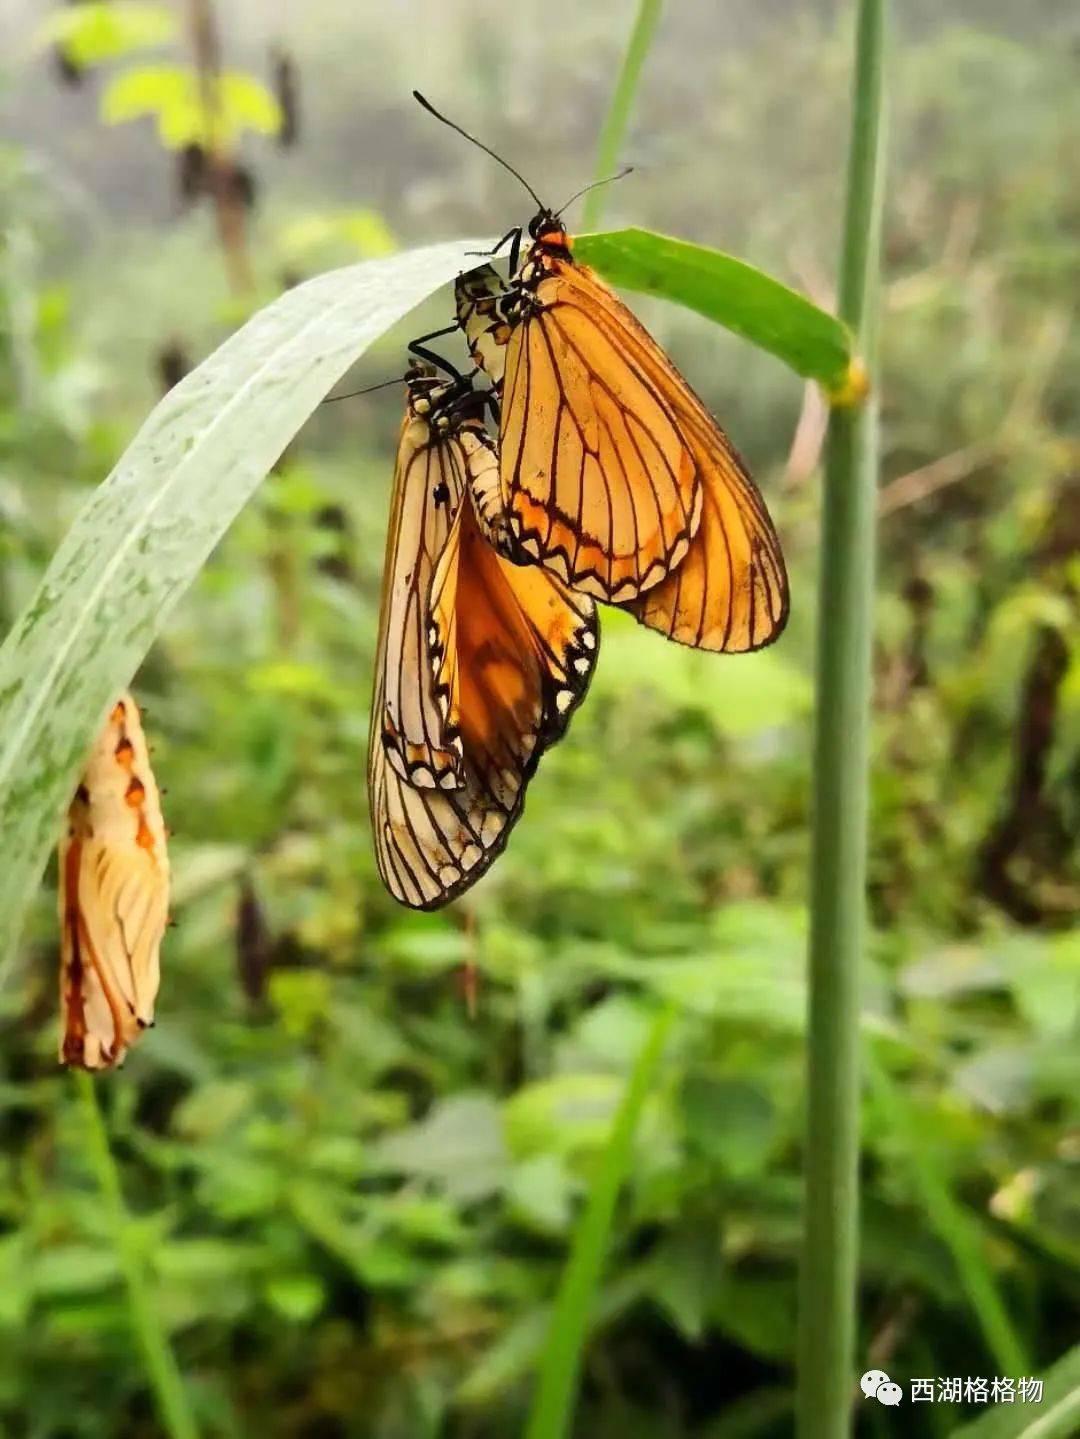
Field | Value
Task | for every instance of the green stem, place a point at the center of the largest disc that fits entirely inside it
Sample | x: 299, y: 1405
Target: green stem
x: 161, y: 1368
x: 560, y: 1368
x: 611, y: 136
x: 838, y: 875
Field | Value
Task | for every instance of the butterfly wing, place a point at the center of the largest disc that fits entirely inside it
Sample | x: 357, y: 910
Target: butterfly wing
x: 429, y: 480
x: 513, y: 648
x: 503, y: 704
x: 726, y: 590
x: 599, y: 483
x: 730, y: 593
x: 430, y: 844
x: 114, y: 897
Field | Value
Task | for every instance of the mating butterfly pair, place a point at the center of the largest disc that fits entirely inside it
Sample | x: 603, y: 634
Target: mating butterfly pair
x: 611, y: 482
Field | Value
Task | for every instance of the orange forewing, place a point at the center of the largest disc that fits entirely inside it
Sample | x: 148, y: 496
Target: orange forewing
x: 613, y: 473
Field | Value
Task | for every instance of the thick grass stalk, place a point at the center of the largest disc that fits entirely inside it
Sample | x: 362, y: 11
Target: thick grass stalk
x: 158, y: 1358
x: 560, y: 1365
x: 622, y: 101
x: 838, y: 876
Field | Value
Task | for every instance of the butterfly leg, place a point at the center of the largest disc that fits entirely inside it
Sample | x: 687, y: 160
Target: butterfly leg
x: 418, y: 347
x: 515, y: 251
x: 513, y: 235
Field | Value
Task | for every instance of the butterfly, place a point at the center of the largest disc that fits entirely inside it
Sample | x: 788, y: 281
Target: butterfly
x: 114, y: 897
x: 613, y: 474
x: 480, y: 662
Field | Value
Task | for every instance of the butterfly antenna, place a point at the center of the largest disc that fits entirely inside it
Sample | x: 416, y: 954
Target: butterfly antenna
x: 594, y: 185
x: 430, y: 108
x: 352, y: 394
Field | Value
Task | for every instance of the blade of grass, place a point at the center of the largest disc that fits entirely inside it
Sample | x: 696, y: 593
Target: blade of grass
x: 144, y: 534
x: 1057, y: 1417
x: 954, y: 1227
x: 838, y: 872
x: 560, y: 1366
x: 158, y: 1358
x: 622, y: 101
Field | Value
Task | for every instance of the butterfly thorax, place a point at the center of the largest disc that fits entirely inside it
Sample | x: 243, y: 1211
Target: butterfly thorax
x: 480, y: 298
x: 547, y: 256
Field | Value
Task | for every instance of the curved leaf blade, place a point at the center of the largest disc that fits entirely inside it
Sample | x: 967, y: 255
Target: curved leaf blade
x: 730, y: 292
x: 1057, y: 1416
x: 144, y: 534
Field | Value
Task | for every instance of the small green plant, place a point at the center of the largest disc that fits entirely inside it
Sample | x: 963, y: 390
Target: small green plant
x: 147, y: 1331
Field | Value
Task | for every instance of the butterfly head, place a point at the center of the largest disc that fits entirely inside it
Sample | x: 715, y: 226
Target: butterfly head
x: 548, y: 234
x: 424, y: 388
x: 433, y: 398
x: 445, y: 404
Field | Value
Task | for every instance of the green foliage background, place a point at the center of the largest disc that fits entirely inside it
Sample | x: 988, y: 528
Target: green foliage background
x: 355, y: 1200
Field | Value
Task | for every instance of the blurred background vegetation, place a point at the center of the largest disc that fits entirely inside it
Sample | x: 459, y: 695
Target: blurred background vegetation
x: 354, y: 1186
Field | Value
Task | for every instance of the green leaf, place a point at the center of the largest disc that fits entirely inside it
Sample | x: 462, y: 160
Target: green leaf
x: 738, y: 700
x: 169, y: 92
x: 540, y: 1193
x: 363, y: 230
x: 246, y: 104
x: 214, y: 1109
x: 758, y: 1311
x: 511, y: 1357
x: 174, y: 95
x: 560, y: 1366
x: 302, y: 998
x: 730, y: 1121
x: 94, y: 34
x: 732, y: 293
x: 459, y: 1144
x: 685, y: 1272
x: 16, y: 1285
x: 144, y: 535
x: 566, y: 1114
x: 214, y: 1262
x: 74, y: 1269
x: 1057, y: 1417
x: 296, y: 1297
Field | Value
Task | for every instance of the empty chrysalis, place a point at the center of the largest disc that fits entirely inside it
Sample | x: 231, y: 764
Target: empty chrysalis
x: 114, y: 897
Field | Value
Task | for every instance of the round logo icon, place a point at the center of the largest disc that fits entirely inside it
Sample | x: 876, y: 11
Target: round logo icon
x: 876, y: 1384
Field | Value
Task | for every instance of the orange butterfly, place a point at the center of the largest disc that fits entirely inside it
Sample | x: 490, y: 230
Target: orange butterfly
x: 480, y: 663
x: 114, y: 897
x: 612, y: 472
